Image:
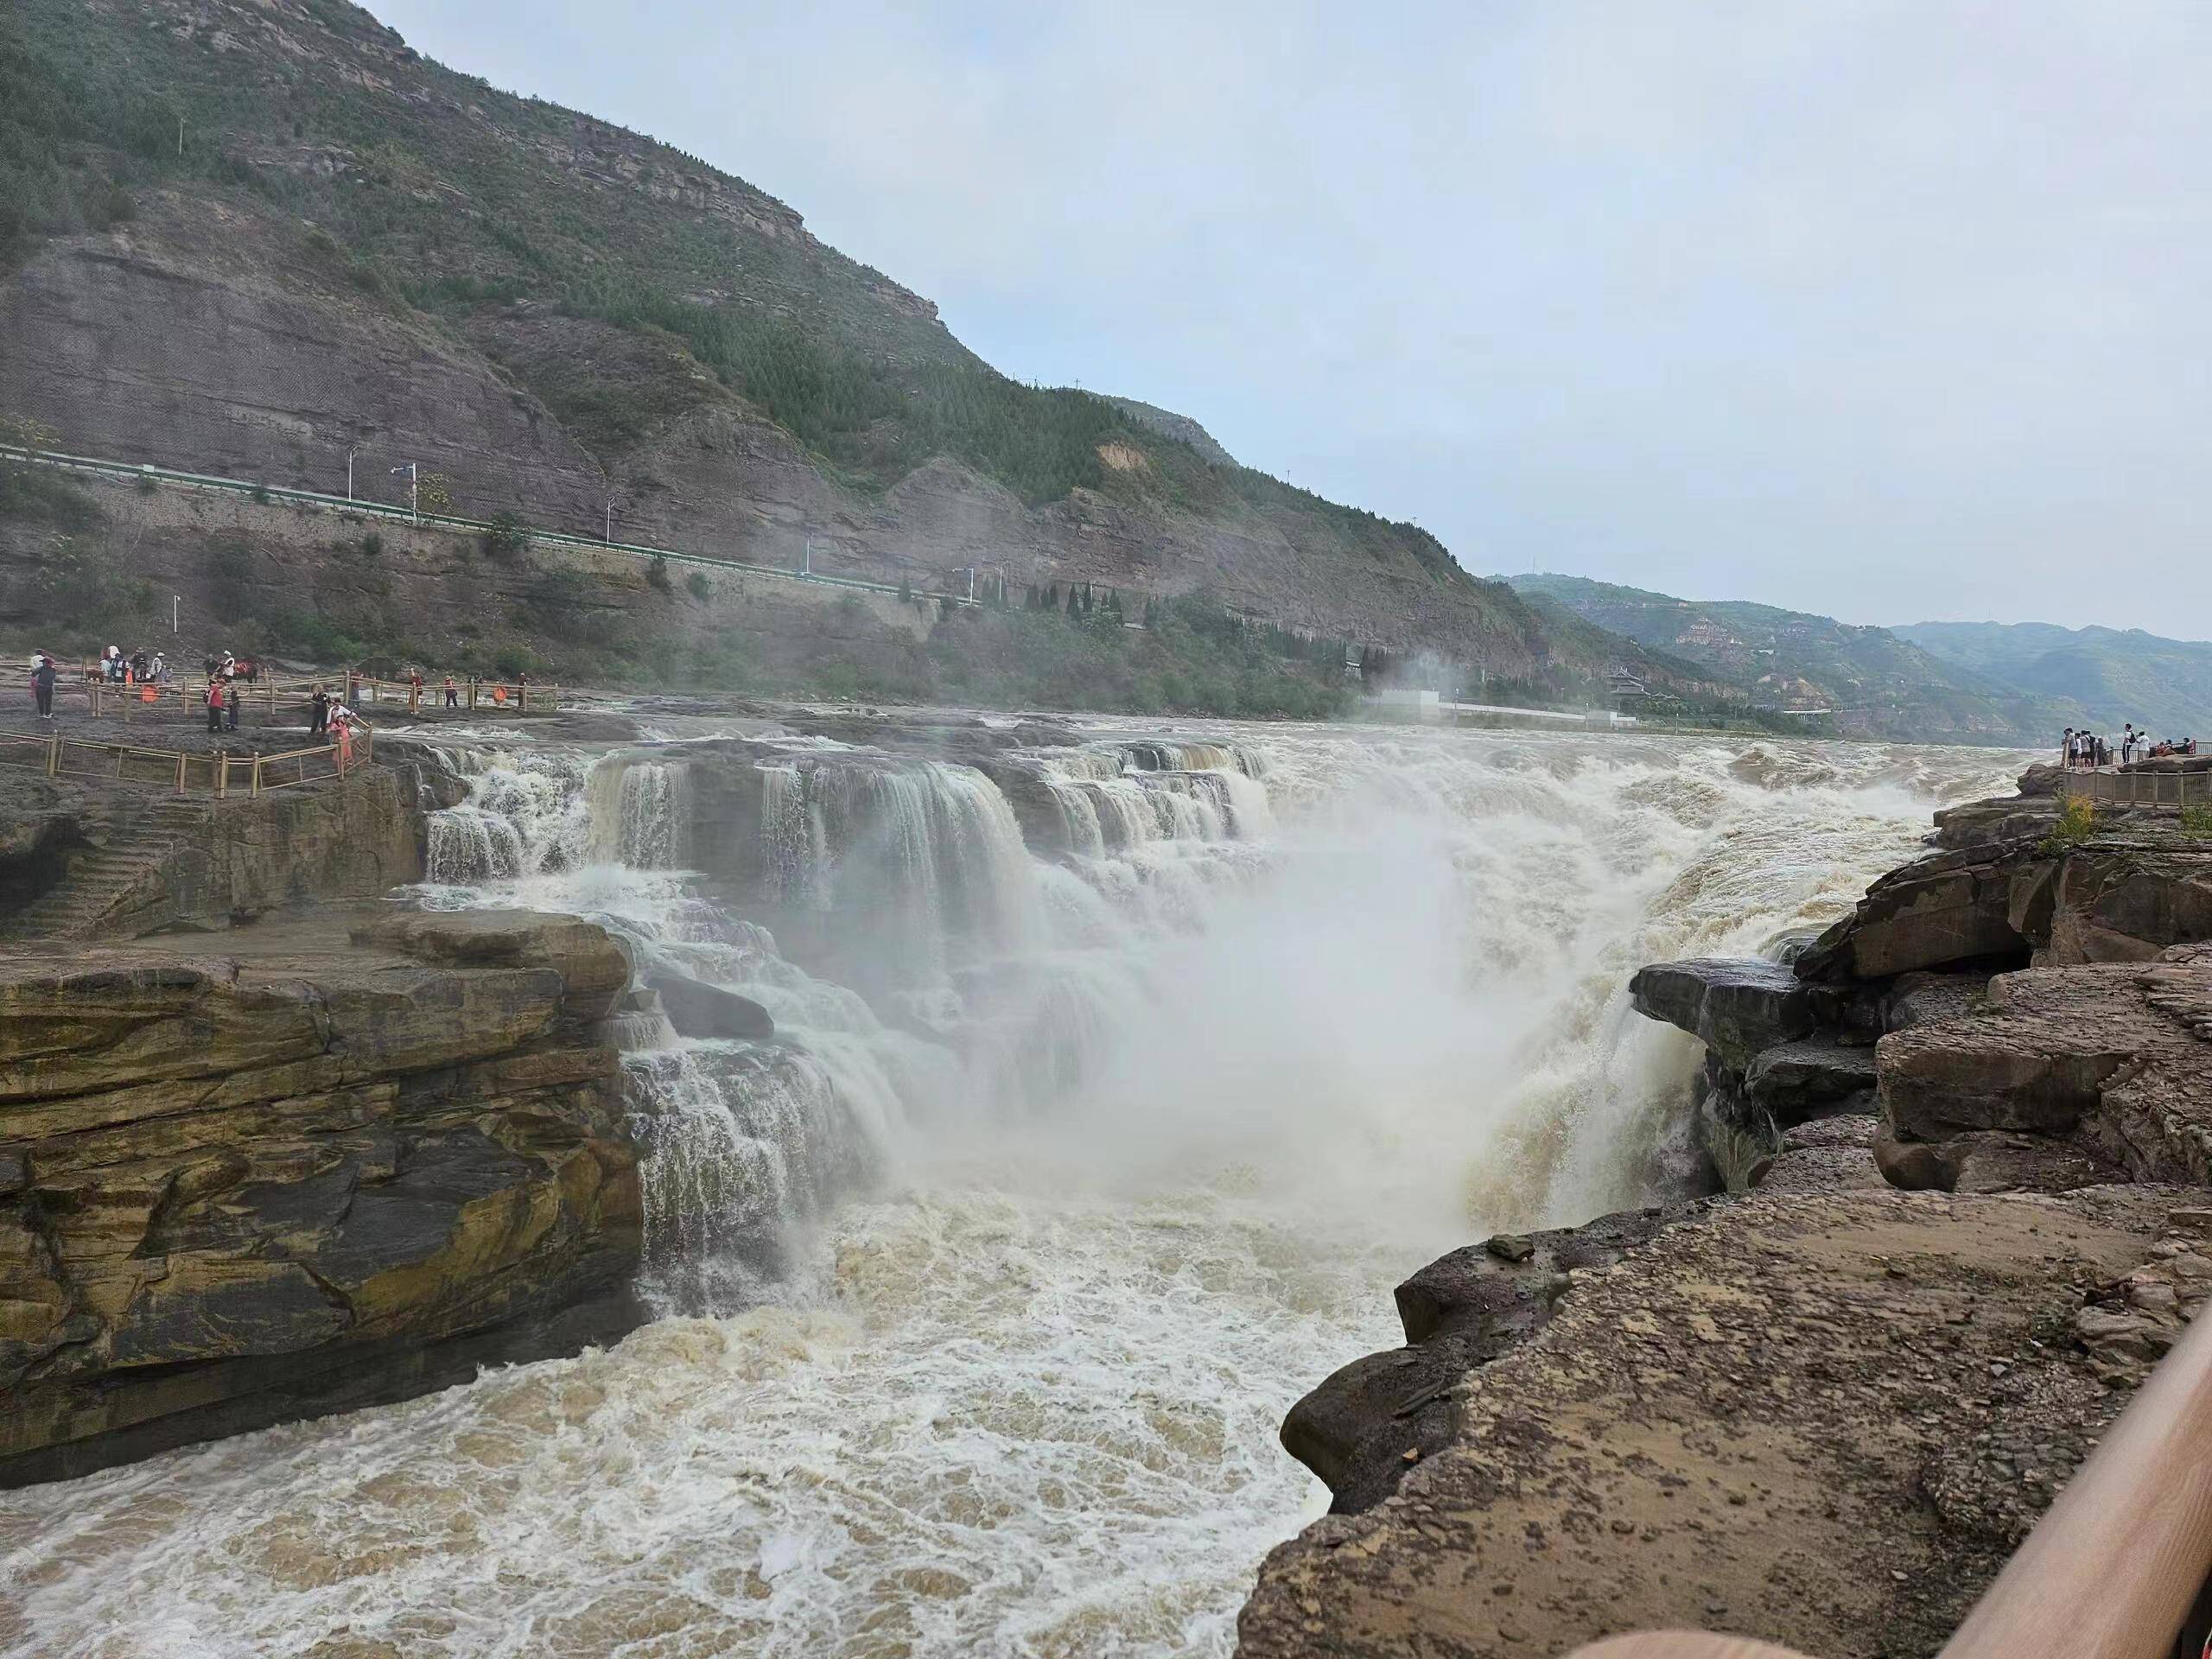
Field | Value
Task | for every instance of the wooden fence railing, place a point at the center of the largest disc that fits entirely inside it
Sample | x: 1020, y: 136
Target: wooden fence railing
x: 2117, y: 1570
x: 183, y: 771
x: 2140, y: 788
x: 268, y: 694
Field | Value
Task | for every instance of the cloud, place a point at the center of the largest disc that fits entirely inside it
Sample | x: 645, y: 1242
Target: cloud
x: 1891, y: 310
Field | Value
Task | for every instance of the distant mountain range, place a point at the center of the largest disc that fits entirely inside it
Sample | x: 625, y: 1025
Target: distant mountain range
x: 1867, y: 681
x: 2114, y: 675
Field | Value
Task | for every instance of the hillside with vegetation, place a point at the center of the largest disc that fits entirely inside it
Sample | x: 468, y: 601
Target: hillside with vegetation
x: 2120, y: 676
x: 1867, y: 680
x: 291, y: 242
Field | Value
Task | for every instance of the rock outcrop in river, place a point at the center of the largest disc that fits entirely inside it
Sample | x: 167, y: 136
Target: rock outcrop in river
x: 302, y: 1173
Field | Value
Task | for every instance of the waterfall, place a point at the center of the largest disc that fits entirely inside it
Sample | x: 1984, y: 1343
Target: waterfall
x: 992, y: 1274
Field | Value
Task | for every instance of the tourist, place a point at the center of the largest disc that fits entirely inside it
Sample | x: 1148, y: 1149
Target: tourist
x: 2127, y: 744
x: 160, y: 669
x: 453, y: 698
x: 231, y: 707
x: 319, y: 718
x: 214, y: 705
x: 42, y: 684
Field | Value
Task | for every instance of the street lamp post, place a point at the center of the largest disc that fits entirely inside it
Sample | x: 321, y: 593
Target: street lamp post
x: 413, y: 490
x: 350, y: 454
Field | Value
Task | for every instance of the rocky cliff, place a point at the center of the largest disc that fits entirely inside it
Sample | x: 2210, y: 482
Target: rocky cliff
x: 79, y: 861
x: 1820, y: 1412
x: 300, y: 1174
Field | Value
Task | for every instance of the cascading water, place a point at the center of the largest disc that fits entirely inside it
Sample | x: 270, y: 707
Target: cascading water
x: 990, y: 1277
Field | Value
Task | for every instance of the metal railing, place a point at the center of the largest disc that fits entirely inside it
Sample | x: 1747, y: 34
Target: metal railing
x: 130, y: 473
x: 183, y: 771
x: 2115, y: 1571
x: 2138, y: 787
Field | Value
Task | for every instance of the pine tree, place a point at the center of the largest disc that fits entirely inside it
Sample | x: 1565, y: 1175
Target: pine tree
x: 1074, y: 604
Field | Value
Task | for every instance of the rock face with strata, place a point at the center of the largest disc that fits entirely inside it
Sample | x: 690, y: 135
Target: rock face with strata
x: 289, y: 1177
x: 80, y: 861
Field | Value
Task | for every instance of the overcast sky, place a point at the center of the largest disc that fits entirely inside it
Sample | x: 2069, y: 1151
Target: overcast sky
x: 1893, y: 311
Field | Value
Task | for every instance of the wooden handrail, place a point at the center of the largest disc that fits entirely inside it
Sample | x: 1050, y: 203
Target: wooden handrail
x: 1683, y: 1644
x: 176, y: 764
x: 2113, y: 1570
x: 2111, y: 1573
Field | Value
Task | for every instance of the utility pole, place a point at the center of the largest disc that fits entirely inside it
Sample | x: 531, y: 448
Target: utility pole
x: 350, y: 454
x: 608, y: 534
x: 971, y: 584
x: 806, y: 560
x: 175, y: 601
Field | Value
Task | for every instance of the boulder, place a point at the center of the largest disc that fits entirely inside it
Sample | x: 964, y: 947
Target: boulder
x: 1735, y: 1006
x: 697, y: 1009
x: 591, y: 963
x: 1795, y: 1080
x: 1356, y: 1429
x: 2107, y: 1065
x: 1947, y: 910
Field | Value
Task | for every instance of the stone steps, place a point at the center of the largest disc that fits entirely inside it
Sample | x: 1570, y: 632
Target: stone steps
x: 96, y: 880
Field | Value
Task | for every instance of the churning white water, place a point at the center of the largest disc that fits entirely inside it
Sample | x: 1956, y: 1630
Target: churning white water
x: 987, y: 1284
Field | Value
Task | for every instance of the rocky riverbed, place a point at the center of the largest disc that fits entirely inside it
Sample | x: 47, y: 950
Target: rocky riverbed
x: 1966, y: 1134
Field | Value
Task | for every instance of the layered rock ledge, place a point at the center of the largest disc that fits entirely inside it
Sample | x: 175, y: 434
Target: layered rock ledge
x: 304, y: 1173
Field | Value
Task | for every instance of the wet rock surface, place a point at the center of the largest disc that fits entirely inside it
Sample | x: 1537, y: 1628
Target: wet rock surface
x: 300, y: 1174
x: 1736, y: 1006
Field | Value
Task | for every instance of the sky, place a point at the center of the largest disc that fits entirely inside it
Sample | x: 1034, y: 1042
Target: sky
x: 1893, y: 311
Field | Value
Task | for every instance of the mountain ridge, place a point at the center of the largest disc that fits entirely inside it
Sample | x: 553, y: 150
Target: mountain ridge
x: 2118, y: 676
x: 259, y: 239
x: 1874, y: 683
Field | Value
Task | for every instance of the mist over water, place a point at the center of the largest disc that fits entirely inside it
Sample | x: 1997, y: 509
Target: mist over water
x: 984, y: 1288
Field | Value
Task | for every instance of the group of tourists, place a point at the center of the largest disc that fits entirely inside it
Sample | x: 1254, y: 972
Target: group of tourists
x: 113, y: 668
x: 2087, y: 751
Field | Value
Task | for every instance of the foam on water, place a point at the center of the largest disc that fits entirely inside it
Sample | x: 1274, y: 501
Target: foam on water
x: 1012, y: 1263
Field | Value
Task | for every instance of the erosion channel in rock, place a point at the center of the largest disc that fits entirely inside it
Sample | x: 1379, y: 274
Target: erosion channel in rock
x: 1028, y: 1115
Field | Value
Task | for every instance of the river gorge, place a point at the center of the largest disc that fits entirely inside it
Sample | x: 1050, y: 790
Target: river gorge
x: 1115, y: 1077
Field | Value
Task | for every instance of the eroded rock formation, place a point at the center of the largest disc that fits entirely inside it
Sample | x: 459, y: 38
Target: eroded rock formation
x: 300, y: 1174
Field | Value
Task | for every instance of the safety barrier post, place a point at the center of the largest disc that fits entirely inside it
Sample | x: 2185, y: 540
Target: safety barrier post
x: 54, y: 755
x: 255, y: 786
x: 222, y: 777
x: 179, y: 773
